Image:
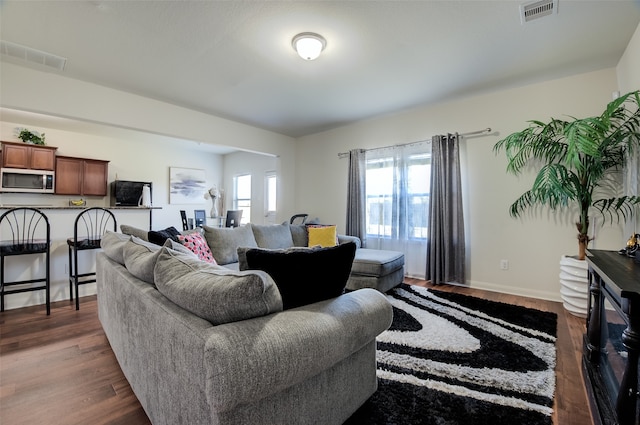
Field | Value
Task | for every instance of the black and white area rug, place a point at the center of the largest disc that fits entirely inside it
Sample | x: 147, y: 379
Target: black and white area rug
x: 451, y: 359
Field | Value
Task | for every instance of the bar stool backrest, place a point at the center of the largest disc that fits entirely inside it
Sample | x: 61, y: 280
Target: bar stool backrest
x: 90, y: 225
x: 24, y: 230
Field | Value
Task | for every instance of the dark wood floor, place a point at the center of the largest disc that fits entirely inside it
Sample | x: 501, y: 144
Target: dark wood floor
x: 59, y: 369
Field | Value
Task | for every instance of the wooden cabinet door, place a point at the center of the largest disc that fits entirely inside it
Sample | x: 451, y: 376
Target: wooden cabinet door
x: 42, y: 159
x: 69, y: 176
x: 95, y: 177
x: 15, y: 156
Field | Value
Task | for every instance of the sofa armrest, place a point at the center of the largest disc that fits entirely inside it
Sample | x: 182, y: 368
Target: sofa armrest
x: 255, y: 358
x: 346, y: 238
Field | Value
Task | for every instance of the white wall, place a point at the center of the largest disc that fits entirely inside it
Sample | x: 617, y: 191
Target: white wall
x: 130, y: 159
x: 628, y: 69
x: 25, y: 89
x: 145, y: 154
x: 532, y: 245
x: 257, y: 165
x: 628, y: 72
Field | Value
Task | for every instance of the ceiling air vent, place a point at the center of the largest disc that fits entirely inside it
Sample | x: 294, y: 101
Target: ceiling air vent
x: 537, y: 9
x: 32, y: 55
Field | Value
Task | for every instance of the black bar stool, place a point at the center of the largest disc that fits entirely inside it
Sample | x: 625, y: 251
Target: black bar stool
x: 29, y: 233
x: 88, y: 229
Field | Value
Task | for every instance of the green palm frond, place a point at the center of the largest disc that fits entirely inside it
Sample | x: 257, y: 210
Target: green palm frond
x: 613, y: 208
x: 578, y: 158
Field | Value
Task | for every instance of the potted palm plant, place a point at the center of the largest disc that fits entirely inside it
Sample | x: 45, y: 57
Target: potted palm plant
x: 579, y: 159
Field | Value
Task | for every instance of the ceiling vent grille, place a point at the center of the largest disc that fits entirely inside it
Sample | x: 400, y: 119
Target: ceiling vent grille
x: 537, y: 9
x: 32, y: 55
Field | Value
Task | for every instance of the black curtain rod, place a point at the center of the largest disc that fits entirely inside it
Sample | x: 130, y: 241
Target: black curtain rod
x: 471, y: 133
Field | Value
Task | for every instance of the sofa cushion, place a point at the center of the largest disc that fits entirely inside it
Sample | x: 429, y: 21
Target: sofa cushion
x: 299, y: 234
x: 196, y: 243
x: 376, y: 262
x: 272, y: 236
x: 216, y: 294
x: 224, y: 242
x: 177, y: 246
x: 112, y: 244
x: 345, y: 238
x: 305, y: 276
x: 159, y: 237
x: 134, y: 231
x: 140, y: 258
x: 242, y: 257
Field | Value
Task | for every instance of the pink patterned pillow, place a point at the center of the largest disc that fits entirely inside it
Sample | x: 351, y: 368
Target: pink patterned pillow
x: 196, y: 243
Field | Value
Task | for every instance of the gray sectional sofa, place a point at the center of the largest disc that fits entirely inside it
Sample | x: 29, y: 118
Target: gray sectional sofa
x: 203, y: 344
x: 372, y: 268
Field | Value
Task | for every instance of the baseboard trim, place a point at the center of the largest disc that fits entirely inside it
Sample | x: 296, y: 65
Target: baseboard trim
x: 523, y: 292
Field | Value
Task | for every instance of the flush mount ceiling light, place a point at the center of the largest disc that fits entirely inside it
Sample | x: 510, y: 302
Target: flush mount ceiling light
x: 308, y: 45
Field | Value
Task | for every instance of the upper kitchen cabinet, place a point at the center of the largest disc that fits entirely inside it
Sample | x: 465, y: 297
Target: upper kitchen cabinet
x: 81, y: 176
x: 22, y: 155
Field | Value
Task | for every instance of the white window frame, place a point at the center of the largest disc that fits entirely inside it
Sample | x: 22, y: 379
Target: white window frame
x: 243, y: 204
x: 270, y: 196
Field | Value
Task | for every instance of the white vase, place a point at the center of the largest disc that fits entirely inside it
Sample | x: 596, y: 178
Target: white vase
x: 214, y: 207
x: 574, y: 285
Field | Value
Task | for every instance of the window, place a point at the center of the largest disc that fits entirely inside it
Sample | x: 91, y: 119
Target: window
x: 270, y: 196
x: 271, y: 191
x: 242, y: 196
x: 397, y: 191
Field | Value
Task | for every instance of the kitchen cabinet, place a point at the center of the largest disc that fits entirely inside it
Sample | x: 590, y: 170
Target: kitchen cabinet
x: 81, y: 176
x: 22, y: 155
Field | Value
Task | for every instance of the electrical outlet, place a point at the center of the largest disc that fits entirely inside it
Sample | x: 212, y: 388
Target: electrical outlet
x: 504, y: 264
x: 66, y: 269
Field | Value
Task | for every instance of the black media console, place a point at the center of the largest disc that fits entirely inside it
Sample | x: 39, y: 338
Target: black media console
x: 612, y: 341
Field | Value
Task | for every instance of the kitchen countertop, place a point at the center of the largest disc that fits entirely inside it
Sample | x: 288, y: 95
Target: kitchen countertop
x: 53, y: 207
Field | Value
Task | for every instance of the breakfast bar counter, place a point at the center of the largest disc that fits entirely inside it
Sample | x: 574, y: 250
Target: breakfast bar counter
x: 80, y: 208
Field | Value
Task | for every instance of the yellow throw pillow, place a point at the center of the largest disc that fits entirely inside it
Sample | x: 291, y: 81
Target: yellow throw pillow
x: 322, y: 235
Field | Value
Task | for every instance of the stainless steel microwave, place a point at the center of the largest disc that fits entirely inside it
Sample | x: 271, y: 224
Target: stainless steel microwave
x: 30, y: 181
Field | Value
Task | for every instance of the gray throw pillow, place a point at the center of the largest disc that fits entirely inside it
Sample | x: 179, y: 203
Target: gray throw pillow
x: 214, y: 293
x: 299, y: 234
x: 224, y: 242
x: 140, y: 258
x: 112, y: 244
x: 134, y: 231
x: 272, y: 236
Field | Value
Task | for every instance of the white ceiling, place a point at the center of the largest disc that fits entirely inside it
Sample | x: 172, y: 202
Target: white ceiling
x: 234, y: 59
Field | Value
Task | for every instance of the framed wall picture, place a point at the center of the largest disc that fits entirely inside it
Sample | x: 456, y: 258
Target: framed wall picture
x: 186, y: 185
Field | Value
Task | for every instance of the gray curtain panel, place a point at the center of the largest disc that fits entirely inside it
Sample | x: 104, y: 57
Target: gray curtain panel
x: 356, y: 195
x: 445, y: 241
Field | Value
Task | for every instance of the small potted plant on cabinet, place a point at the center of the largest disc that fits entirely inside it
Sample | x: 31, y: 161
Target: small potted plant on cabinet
x: 32, y: 137
x: 579, y: 159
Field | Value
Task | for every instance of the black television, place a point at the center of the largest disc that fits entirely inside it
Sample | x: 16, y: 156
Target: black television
x: 126, y: 193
